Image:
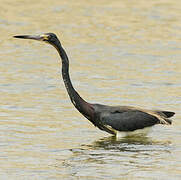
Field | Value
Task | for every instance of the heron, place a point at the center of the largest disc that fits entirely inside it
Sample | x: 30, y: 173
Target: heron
x: 112, y: 119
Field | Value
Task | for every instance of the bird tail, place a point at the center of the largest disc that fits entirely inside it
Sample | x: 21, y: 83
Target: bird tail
x: 165, y: 115
x: 166, y: 121
x: 168, y: 114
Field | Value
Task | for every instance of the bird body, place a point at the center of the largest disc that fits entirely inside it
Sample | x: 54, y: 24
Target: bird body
x: 127, y: 119
x: 111, y: 119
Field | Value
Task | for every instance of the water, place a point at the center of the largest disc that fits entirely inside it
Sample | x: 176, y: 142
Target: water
x: 121, y: 53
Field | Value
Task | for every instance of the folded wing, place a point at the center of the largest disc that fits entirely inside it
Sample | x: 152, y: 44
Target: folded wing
x: 129, y: 120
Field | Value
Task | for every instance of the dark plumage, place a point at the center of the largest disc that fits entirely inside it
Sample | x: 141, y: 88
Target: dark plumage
x: 126, y: 118
x: 107, y: 118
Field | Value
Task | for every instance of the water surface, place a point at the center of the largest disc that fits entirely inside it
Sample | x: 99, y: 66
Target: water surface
x: 121, y: 53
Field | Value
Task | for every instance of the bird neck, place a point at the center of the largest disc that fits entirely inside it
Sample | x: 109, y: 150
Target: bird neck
x: 81, y: 105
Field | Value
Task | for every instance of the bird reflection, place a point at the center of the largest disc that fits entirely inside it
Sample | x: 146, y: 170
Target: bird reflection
x: 129, y: 143
x: 121, y: 154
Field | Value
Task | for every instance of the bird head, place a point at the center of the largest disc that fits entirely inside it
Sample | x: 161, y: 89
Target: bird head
x: 50, y: 38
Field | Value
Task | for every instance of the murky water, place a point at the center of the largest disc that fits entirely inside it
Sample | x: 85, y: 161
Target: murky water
x: 121, y: 53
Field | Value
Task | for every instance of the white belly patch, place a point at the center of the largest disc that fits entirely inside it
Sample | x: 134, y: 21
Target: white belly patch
x: 143, y: 131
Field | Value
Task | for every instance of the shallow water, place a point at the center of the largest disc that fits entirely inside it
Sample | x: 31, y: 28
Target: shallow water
x: 121, y: 53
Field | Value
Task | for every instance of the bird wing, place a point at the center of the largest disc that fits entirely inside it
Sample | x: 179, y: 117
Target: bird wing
x: 128, y: 120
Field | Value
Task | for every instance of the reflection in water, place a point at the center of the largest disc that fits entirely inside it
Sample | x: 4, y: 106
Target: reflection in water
x: 131, y: 143
x: 118, y: 157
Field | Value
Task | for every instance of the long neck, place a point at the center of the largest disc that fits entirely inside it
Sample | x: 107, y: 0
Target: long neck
x: 81, y: 105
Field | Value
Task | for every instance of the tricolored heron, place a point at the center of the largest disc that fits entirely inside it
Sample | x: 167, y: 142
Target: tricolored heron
x: 112, y: 119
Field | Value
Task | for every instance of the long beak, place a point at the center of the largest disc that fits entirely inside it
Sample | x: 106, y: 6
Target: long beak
x: 36, y: 37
